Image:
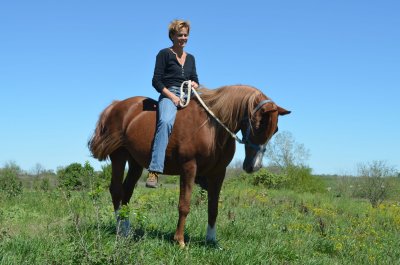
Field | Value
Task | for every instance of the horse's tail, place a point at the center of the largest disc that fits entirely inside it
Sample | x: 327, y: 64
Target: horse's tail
x: 105, y: 140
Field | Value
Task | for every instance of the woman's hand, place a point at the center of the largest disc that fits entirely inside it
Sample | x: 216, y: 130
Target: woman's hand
x: 175, y: 99
x: 195, y: 85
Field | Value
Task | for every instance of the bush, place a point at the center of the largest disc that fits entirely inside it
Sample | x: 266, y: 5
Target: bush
x: 76, y: 177
x: 344, y: 186
x: 69, y: 177
x: 10, y: 185
x: 297, y: 178
x: 375, y: 183
x: 265, y: 178
x: 300, y: 179
x: 104, y: 177
x: 89, y: 178
x: 45, y: 184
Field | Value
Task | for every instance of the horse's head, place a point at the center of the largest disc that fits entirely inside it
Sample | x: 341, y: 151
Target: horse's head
x: 257, y: 130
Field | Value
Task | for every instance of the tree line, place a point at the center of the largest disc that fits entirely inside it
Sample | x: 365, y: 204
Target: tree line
x: 287, y: 169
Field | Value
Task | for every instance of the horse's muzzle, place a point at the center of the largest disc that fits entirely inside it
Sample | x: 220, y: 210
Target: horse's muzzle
x: 252, y: 165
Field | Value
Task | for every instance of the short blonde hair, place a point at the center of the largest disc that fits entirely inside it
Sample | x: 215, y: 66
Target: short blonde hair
x: 176, y: 25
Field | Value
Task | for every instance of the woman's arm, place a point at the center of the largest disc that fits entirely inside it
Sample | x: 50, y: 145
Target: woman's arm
x: 193, y: 77
x: 159, y: 69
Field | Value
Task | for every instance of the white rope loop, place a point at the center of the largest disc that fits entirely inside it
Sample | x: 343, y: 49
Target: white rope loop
x: 183, y: 103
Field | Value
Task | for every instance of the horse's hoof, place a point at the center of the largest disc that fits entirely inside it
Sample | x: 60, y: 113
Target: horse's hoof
x: 182, y: 245
x: 123, y: 227
x: 181, y: 242
x: 214, y: 244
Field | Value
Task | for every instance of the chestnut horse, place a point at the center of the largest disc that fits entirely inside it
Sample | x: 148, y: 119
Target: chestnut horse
x: 199, y: 148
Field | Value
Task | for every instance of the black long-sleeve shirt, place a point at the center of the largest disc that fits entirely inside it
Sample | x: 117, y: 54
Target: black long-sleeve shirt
x: 169, y: 72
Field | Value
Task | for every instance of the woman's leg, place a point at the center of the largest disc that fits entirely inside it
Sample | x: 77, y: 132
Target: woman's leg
x: 166, y: 118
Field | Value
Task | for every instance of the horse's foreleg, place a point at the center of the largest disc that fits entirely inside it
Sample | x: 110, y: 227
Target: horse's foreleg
x: 214, y: 189
x: 186, y: 186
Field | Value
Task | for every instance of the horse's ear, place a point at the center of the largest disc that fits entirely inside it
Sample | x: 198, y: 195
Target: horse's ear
x: 282, y: 111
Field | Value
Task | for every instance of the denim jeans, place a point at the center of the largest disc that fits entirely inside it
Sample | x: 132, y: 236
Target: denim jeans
x: 165, y: 121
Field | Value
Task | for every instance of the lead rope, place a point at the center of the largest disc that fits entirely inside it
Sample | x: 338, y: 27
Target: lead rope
x: 183, y: 103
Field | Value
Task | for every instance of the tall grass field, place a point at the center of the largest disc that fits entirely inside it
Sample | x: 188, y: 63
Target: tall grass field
x: 256, y: 225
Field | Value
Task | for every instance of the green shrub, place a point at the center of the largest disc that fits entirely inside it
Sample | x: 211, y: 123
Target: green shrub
x: 77, y: 177
x: 375, y: 183
x: 106, y: 173
x: 10, y: 185
x: 45, y: 184
x: 89, y: 178
x: 344, y: 186
x: 69, y: 177
x: 300, y: 179
x: 297, y: 178
x: 270, y: 180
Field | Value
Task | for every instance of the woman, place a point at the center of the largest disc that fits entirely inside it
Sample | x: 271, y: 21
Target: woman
x: 173, y: 66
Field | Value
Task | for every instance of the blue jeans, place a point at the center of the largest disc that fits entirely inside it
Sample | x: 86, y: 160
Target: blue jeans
x: 165, y: 121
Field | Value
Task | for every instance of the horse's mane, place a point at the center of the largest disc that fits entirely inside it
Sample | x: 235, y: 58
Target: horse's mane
x: 231, y: 103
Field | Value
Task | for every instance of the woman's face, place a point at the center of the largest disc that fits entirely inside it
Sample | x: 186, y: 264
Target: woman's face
x: 181, y: 37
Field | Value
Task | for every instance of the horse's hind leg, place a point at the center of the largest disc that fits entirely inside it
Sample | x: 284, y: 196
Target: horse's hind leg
x: 134, y: 173
x: 118, y: 161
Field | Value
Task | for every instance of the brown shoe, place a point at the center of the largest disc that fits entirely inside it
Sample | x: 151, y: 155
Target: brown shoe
x: 152, y: 179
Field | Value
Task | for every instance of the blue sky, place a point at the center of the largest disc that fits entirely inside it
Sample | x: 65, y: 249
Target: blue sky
x: 335, y: 64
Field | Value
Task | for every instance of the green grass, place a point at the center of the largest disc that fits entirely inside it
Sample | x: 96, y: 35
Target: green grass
x: 255, y: 226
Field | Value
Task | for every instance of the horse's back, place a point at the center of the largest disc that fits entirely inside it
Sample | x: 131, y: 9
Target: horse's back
x: 136, y: 104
